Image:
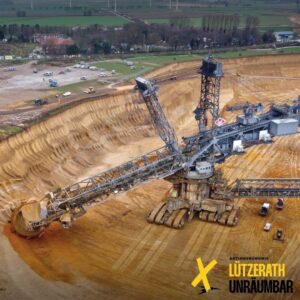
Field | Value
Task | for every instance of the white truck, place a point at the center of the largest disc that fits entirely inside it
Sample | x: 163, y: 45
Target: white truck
x: 264, y: 210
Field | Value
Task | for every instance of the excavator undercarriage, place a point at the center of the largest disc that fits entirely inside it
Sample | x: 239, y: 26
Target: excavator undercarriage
x: 205, y: 196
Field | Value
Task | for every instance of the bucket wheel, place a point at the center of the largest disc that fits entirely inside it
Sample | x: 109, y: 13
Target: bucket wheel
x: 19, y: 227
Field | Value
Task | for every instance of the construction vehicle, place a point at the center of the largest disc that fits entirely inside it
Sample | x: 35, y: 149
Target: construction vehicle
x: 53, y: 83
x: 198, y: 189
x: 90, y: 90
x: 264, y: 210
x: 39, y: 102
x: 67, y: 94
x: 258, y: 108
x: 48, y: 74
x: 267, y: 227
x: 280, y: 203
x: 279, y: 235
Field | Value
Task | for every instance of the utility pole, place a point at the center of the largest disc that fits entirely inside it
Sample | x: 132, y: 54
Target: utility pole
x: 177, y: 4
x: 70, y: 3
x: 31, y: 4
x: 115, y: 5
x: 150, y: 3
x: 170, y: 4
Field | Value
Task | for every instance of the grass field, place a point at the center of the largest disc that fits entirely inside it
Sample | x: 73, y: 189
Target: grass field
x: 146, y: 63
x: 267, y: 22
x: 143, y: 64
x: 7, y: 130
x: 273, y: 15
x: 79, y: 86
x: 66, y: 21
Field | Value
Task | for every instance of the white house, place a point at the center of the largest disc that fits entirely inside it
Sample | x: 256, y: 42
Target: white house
x: 284, y: 36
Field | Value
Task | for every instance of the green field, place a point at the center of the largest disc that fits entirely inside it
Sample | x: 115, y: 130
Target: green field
x: 273, y: 14
x: 143, y: 63
x: 122, y: 69
x: 267, y: 22
x: 78, y: 87
x: 146, y: 63
x: 66, y: 21
x: 6, y: 130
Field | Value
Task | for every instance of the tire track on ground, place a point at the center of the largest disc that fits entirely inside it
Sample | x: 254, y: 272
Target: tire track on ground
x: 154, y: 248
x: 190, y: 244
x: 194, y: 249
x: 158, y: 252
x: 132, y: 250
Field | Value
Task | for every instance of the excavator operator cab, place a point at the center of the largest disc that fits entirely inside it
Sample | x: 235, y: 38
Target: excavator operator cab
x: 211, y: 67
x: 142, y: 84
x: 66, y: 220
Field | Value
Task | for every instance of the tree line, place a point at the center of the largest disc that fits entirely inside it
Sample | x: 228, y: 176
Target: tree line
x: 216, y: 31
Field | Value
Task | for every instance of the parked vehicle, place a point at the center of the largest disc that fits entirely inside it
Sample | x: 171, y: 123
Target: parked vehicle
x: 264, y: 210
x: 267, y: 227
x: 48, y: 74
x: 280, y: 203
x: 90, y: 90
x: 279, y: 235
x: 53, y: 83
x: 39, y: 102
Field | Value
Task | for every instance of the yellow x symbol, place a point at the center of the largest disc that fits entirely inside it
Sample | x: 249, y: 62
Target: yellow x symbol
x: 202, y: 274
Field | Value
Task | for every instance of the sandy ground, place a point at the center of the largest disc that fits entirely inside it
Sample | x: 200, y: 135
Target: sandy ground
x: 112, y: 253
x: 23, y: 84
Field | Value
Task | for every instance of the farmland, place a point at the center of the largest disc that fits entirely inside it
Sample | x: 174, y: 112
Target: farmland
x: 266, y: 22
x: 272, y: 16
x: 65, y: 21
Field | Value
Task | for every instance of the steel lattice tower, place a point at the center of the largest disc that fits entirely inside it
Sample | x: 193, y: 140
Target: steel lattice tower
x: 211, y: 73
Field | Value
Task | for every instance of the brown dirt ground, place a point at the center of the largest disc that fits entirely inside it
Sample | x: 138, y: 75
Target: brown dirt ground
x: 112, y: 253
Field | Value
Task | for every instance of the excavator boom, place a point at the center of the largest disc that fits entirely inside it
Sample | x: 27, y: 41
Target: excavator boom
x: 158, y: 117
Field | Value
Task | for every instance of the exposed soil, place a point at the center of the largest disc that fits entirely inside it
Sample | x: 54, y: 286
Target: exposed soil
x: 22, y: 84
x: 111, y: 252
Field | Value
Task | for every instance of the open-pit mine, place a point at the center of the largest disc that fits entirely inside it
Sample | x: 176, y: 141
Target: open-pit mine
x: 112, y: 252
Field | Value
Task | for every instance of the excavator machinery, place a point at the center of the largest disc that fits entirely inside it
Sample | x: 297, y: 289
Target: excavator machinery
x: 198, y: 189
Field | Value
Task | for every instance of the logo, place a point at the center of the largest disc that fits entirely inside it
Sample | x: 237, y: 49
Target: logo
x: 258, y: 277
x: 220, y: 122
x: 202, y: 276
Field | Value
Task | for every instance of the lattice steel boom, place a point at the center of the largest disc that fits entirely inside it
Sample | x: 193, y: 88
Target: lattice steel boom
x: 211, y: 74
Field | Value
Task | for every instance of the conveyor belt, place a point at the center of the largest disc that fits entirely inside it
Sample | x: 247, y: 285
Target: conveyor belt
x: 267, y: 187
x: 156, y: 164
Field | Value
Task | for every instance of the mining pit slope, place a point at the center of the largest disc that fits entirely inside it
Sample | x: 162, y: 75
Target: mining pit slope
x: 112, y: 252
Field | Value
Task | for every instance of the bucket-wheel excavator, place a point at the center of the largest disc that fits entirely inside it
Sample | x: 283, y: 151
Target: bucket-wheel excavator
x: 198, y: 189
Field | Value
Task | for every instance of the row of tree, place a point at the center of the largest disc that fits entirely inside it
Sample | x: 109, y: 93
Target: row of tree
x: 216, y: 31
